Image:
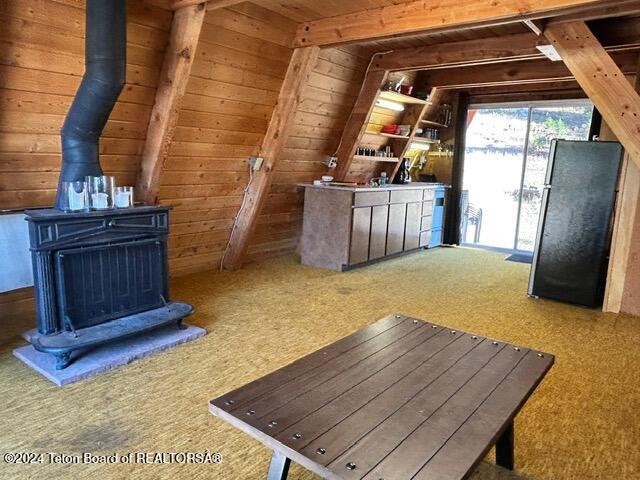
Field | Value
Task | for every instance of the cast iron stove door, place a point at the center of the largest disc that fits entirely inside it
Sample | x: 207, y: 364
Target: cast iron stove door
x: 101, y: 283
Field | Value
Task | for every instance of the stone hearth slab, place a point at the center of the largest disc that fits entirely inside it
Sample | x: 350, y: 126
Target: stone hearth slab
x: 89, y: 363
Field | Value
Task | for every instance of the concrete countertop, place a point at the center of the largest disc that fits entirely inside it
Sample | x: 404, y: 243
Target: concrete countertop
x: 409, y: 186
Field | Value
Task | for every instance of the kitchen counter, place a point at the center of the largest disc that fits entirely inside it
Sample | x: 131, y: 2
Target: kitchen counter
x: 408, y: 186
x: 348, y: 226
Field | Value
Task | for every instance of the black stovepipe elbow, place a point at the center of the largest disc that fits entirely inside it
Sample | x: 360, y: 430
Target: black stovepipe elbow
x: 104, y: 78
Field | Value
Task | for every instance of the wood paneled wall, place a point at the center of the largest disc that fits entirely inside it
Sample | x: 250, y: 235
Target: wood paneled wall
x: 41, y: 65
x: 241, y: 60
x: 319, y: 121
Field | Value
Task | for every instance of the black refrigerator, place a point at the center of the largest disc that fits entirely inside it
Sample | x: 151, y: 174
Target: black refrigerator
x: 572, y: 245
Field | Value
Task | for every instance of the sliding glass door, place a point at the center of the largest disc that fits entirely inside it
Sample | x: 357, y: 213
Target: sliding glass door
x: 506, y: 150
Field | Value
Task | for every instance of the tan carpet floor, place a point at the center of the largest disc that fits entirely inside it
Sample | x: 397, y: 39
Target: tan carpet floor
x: 582, y: 423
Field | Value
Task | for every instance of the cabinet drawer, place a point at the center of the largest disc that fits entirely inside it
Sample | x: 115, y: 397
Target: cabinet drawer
x: 406, y: 196
x: 367, y: 199
x: 427, y: 208
x: 425, y: 238
x: 426, y: 223
x: 429, y: 193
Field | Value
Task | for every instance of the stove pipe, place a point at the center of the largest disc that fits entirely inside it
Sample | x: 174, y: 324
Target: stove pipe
x: 103, y: 80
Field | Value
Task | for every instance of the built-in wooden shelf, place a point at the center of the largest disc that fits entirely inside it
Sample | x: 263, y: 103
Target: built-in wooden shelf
x: 388, y: 135
x: 434, y: 124
x: 401, y: 98
x: 424, y: 140
x: 371, y: 158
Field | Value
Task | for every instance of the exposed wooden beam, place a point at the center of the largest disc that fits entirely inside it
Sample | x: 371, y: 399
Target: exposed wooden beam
x: 433, y: 16
x: 602, y: 80
x: 600, y: 10
x: 302, y: 63
x: 619, y: 35
x: 357, y: 121
x: 537, y: 96
x: 211, y: 4
x: 179, y: 56
x: 626, y: 221
x: 532, y: 71
x: 524, y: 93
x: 521, y: 46
x: 541, y: 87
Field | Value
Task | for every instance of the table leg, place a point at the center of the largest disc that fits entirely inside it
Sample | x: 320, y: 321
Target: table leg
x: 279, y: 467
x: 504, y: 448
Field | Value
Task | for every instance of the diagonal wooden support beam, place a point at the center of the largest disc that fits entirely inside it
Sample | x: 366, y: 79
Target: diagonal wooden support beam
x: 601, y: 79
x: 624, y: 230
x: 357, y: 122
x: 185, y: 31
x: 302, y: 63
x: 434, y: 16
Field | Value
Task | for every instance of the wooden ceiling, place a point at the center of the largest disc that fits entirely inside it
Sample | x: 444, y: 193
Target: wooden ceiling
x: 307, y: 10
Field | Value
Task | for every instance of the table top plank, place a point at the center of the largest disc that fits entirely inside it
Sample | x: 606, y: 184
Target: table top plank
x: 309, y: 362
x: 380, y: 441
x: 464, y: 450
x: 421, y: 444
x: 401, y: 398
x: 318, y: 422
x: 354, y: 419
x: 305, y: 398
x: 384, y: 346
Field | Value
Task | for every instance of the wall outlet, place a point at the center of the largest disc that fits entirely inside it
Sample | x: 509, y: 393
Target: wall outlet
x: 256, y: 163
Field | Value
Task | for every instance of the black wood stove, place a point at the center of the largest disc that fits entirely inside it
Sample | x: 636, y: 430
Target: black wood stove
x: 99, y: 276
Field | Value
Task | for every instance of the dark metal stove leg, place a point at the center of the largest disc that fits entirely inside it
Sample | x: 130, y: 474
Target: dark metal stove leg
x: 62, y: 360
x: 504, y: 449
x: 279, y: 467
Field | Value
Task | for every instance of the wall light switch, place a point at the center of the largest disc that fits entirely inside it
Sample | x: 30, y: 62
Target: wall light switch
x: 256, y: 163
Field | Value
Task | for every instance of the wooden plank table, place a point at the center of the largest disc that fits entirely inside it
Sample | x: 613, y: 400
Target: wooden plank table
x: 399, y: 399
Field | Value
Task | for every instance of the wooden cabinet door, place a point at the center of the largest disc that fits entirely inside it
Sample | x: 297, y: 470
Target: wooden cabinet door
x: 395, y: 231
x: 378, y: 242
x: 412, y: 226
x: 359, y: 250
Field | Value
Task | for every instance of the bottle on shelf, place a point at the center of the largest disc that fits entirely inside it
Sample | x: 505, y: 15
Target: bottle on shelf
x: 444, y: 115
x: 372, y: 152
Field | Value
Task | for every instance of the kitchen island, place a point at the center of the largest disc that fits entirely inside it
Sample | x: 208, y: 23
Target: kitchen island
x: 346, y: 226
